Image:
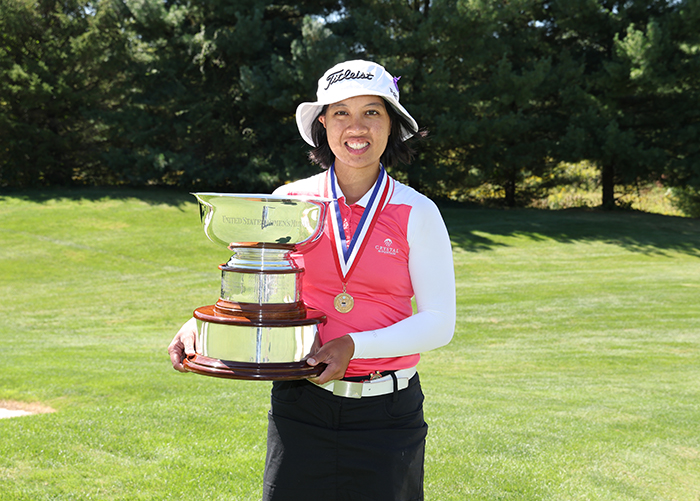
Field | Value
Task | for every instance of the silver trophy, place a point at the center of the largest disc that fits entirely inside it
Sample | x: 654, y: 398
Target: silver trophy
x: 259, y: 328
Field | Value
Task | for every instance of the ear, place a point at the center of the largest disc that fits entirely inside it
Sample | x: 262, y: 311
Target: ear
x: 322, y: 119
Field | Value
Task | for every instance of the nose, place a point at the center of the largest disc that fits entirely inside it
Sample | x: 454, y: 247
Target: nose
x: 357, y: 124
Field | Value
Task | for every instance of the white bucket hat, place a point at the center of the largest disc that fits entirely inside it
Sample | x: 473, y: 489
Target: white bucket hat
x: 350, y: 79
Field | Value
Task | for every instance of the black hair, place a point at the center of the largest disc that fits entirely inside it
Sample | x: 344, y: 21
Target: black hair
x: 396, y: 150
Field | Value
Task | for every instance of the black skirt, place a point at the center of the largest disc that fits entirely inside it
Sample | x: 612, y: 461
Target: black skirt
x: 324, y: 447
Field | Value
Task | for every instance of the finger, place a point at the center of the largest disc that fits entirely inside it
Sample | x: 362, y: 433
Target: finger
x: 176, y: 356
x: 188, y: 343
x: 314, y: 349
x: 323, y: 354
x: 181, y: 347
x: 330, y: 373
x: 336, y: 354
x: 333, y: 369
x: 320, y: 356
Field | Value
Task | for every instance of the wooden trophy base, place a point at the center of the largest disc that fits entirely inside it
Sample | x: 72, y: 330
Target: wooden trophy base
x: 285, y: 371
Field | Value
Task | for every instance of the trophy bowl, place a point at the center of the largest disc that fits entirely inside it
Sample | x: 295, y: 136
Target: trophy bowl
x: 260, y: 327
x: 240, y: 219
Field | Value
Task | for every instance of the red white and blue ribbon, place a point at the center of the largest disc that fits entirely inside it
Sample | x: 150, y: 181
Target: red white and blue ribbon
x: 348, y: 253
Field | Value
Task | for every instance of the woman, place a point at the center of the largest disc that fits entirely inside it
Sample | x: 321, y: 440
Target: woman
x: 357, y: 431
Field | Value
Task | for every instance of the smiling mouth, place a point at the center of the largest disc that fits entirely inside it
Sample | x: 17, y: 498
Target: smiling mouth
x: 357, y: 146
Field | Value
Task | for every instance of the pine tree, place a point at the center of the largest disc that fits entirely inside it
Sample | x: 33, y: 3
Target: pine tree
x: 636, y: 93
x: 479, y: 75
x: 59, y: 63
x: 216, y: 88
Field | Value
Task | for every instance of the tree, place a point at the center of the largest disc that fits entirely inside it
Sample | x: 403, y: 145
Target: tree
x: 202, y: 93
x: 518, y: 98
x: 418, y: 41
x: 215, y: 90
x: 59, y: 67
x: 635, y: 94
x: 677, y: 68
x: 510, y: 89
x: 479, y: 75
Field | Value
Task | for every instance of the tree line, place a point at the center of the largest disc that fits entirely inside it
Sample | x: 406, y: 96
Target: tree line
x: 201, y: 94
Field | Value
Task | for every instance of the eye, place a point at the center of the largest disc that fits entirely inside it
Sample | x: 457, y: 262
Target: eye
x: 372, y: 112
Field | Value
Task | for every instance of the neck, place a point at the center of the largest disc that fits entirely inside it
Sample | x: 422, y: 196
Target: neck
x: 356, y: 182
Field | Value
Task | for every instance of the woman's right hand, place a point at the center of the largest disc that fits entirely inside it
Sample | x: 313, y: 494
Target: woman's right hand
x: 182, y: 344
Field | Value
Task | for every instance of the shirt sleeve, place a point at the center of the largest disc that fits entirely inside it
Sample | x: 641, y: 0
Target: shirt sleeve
x: 432, y: 277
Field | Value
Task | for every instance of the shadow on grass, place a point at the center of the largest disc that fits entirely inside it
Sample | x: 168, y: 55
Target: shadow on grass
x: 471, y: 227
x: 477, y: 229
x: 152, y: 196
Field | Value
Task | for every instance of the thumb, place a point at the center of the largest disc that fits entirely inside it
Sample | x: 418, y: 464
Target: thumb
x: 189, y: 346
x: 316, y: 358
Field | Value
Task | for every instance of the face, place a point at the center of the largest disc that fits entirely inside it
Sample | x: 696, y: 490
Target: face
x: 358, y: 131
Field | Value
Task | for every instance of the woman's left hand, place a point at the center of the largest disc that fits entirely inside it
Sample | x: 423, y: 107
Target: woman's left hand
x: 336, y: 354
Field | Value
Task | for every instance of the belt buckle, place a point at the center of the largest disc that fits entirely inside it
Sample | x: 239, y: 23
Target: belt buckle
x: 347, y: 389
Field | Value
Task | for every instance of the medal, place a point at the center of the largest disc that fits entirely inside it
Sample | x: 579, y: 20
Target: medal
x: 347, y: 254
x: 343, y: 302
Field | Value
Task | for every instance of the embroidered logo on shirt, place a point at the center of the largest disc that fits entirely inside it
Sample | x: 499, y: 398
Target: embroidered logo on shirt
x: 386, y: 248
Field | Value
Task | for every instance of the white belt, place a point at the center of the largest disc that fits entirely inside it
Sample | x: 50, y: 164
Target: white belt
x: 371, y: 387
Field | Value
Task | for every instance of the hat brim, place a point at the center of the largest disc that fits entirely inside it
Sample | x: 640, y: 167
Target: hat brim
x: 308, y: 112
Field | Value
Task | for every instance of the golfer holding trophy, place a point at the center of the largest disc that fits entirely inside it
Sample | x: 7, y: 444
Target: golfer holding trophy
x: 346, y: 419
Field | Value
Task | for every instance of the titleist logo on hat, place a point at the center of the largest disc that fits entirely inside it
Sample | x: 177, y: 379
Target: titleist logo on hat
x: 340, y: 75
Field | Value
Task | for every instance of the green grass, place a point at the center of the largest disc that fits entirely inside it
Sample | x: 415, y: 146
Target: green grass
x: 574, y: 373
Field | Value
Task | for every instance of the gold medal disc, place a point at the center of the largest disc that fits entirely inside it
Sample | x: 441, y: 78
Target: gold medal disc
x: 343, y: 302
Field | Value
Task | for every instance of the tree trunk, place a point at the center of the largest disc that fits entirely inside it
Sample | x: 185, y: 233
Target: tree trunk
x: 607, y: 179
x: 510, y: 189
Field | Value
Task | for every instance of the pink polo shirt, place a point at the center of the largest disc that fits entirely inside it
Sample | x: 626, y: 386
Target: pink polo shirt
x: 407, y: 254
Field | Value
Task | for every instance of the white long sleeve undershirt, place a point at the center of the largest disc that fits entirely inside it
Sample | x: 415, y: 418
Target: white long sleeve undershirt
x: 433, y: 280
